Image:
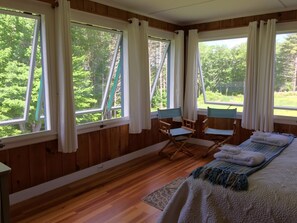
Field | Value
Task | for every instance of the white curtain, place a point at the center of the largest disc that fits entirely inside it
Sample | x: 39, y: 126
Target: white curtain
x: 190, y: 102
x: 67, y: 136
x: 139, y: 84
x: 178, y: 74
x: 259, y: 85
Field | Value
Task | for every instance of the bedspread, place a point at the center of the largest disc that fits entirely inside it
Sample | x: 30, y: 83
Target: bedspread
x: 271, y: 197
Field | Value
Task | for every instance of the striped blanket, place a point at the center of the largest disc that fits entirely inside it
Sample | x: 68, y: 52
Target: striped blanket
x: 236, y: 176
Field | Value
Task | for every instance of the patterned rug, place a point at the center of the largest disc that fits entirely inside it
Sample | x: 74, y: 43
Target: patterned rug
x: 159, y: 198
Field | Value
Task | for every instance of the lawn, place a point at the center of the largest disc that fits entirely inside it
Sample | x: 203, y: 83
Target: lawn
x: 286, y: 99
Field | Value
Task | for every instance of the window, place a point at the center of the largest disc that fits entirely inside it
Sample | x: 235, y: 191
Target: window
x: 97, y: 73
x: 223, y: 65
x: 159, y: 72
x: 285, y: 83
x: 23, y: 98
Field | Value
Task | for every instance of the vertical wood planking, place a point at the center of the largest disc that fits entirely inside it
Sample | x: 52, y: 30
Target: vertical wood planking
x: 104, y: 142
x: 82, y: 153
x: 4, y: 158
x: 69, y: 163
x: 94, y: 148
x: 37, y: 157
x: 19, y: 163
x: 114, y: 135
x: 124, y: 139
x: 53, y: 160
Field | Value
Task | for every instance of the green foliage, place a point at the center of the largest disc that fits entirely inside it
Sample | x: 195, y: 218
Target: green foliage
x: 93, y: 51
x: 16, y: 34
x: 224, y: 68
x: 224, y: 71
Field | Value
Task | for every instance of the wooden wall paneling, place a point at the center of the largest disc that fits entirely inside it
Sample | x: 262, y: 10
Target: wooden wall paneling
x: 294, y: 130
x: 77, y: 4
x: 69, y: 163
x: 101, y: 9
x: 117, y: 13
x: 134, y: 142
x: 124, y: 139
x: 241, y: 22
x: 94, y: 148
x: 20, y: 168
x: 37, y: 157
x: 53, y: 161
x: 227, y: 23
x: 287, y: 16
x: 147, y: 137
x: 155, y: 131
x: 4, y: 158
x: 104, y: 141
x: 114, y: 135
x: 82, y: 153
x: 90, y: 6
x: 112, y: 12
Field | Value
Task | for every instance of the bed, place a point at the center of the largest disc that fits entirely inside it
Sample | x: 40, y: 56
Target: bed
x: 271, y: 196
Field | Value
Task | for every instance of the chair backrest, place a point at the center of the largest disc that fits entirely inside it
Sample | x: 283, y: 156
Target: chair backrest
x: 221, y: 113
x: 169, y: 113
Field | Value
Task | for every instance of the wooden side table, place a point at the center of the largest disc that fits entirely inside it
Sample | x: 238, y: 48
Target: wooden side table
x: 4, y: 193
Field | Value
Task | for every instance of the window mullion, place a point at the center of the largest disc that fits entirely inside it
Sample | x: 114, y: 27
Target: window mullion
x: 114, y: 87
x: 113, y: 63
x: 31, y: 69
x: 159, y: 71
x: 201, y: 79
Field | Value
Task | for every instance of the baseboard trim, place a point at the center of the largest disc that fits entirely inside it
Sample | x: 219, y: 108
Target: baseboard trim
x: 62, y: 181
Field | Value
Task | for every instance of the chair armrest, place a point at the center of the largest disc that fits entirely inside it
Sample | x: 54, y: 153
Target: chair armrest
x: 204, y: 124
x: 234, y: 127
x: 189, y: 124
x: 164, y: 127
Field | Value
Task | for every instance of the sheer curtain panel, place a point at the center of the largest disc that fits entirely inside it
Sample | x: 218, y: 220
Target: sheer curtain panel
x: 190, y: 103
x: 178, y: 80
x: 67, y: 136
x: 139, y: 86
x: 259, y: 86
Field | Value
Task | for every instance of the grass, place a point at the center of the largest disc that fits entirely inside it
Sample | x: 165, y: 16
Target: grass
x: 287, y: 99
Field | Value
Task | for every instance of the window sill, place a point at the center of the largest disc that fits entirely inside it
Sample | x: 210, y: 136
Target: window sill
x: 286, y: 120
x: 95, y: 126
x: 28, y: 139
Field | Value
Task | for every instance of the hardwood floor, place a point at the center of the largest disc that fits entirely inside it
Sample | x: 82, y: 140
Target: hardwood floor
x: 114, y: 195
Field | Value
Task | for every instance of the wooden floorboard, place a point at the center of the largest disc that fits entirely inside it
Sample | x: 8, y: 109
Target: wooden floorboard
x: 114, y: 195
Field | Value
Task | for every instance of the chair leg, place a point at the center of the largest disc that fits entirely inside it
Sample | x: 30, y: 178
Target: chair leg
x: 181, y: 148
x: 217, y: 144
x: 167, y: 144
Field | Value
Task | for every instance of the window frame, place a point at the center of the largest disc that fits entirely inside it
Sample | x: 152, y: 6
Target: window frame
x: 165, y: 54
x: 106, y: 96
x: 241, y: 32
x: 284, y: 28
x: 111, y: 24
x: 48, y: 54
x: 166, y: 36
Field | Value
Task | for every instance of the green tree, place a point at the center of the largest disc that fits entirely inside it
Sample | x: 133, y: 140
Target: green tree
x: 286, y: 64
x: 16, y: 34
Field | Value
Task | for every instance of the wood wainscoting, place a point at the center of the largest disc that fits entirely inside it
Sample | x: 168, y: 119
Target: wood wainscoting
x: 39, y: 163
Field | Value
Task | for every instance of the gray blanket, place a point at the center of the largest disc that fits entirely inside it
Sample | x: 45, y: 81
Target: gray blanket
x: 271, y: 197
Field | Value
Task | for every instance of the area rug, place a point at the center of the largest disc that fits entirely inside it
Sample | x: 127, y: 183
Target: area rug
x: 159, y: 198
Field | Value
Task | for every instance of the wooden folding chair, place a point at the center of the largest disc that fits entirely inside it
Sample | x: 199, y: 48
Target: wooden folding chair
x: 177, y: 136
x: 219, y: 126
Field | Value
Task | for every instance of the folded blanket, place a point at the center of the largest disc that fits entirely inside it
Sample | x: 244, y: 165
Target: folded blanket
x: 270, y: 138
x: 233, y: 175
x: 246, y: 158
x: 230, y: 149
